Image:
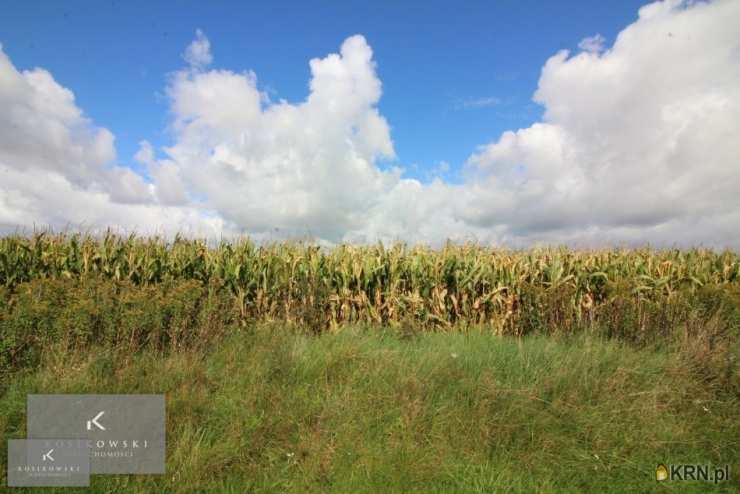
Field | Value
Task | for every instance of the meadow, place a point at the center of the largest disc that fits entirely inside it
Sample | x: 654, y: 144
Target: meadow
x: 292, y: 368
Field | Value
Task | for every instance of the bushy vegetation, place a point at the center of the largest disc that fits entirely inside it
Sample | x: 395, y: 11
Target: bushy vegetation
x: 79, y: 313
x: 184, y: 314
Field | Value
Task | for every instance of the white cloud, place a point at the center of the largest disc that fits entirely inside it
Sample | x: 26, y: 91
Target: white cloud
x: 57, y: 169
x: 441, y: 168
x: 638, y: 143
x: 42, y: 128
x: 301, y: 168
x: 169, y: 188
x: 145, y: 154
x: 592, y: 44
x: 198, y: 53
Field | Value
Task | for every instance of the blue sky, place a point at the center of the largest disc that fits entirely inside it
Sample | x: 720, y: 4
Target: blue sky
x: 454, y: 77
x: 633, y: 138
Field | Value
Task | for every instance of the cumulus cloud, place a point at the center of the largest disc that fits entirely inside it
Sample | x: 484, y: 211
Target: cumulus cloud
x: 638, y: 143
x: 42, y: 127
x: 198, y: 53
x: 592, y: 44
x: 169, y: 188
x: 57, y: 169
x: 304, y: 168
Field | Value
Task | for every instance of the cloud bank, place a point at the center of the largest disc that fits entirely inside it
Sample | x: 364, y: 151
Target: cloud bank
x: 57, y: 169
x: 640, y: 142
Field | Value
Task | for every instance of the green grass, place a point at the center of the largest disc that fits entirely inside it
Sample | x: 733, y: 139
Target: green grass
x: 267, y: 409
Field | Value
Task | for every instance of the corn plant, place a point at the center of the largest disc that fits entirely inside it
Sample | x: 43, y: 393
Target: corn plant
x: 456, y: 284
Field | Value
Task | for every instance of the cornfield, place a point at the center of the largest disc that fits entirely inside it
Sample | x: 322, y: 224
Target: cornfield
x: 456, y: 284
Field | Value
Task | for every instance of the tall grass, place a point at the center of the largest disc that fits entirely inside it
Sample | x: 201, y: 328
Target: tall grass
x: 269, y: 410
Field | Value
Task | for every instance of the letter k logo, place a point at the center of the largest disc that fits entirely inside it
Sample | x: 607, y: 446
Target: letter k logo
x: 48, y: 456
x: 95, y: 422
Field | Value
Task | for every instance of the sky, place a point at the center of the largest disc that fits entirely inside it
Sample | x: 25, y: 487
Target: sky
x: 508, y: 123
